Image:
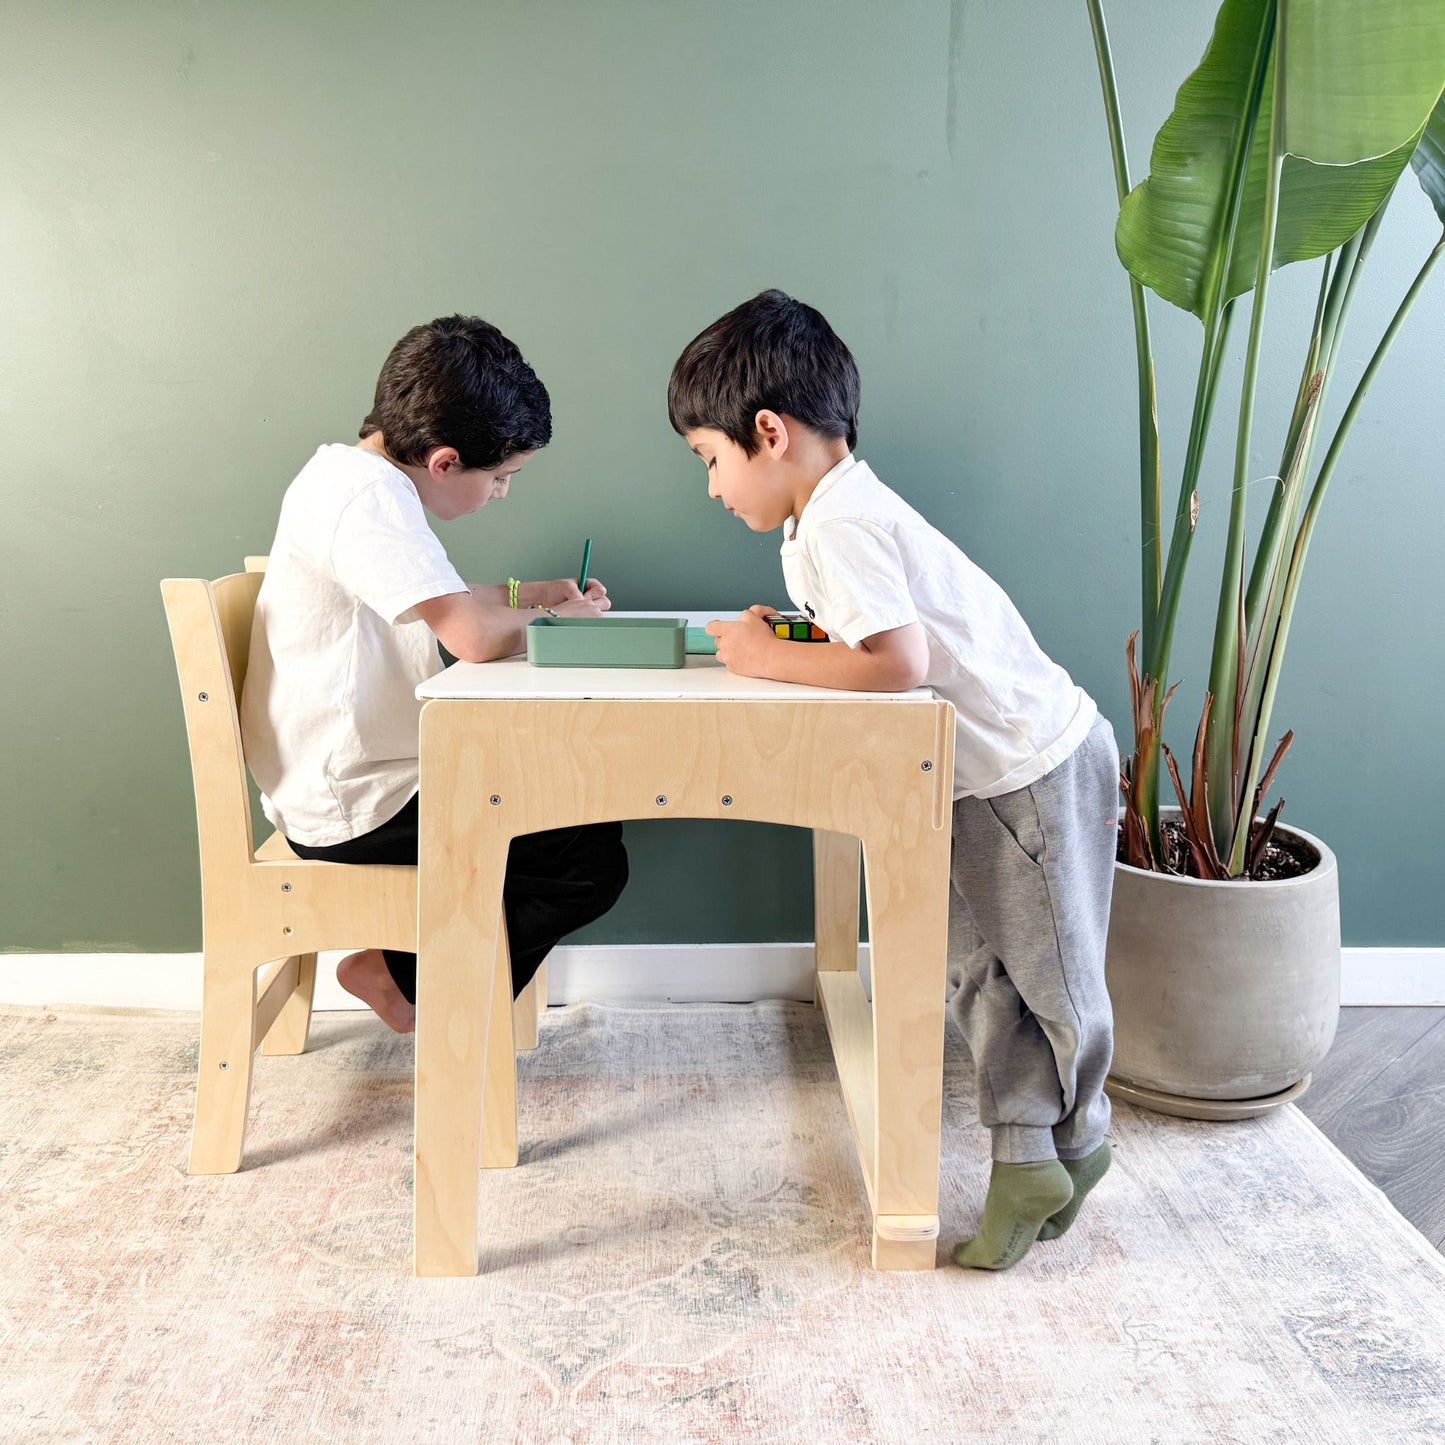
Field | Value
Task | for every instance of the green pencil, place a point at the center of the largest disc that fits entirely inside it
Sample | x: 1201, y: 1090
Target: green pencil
x: 586, y: 558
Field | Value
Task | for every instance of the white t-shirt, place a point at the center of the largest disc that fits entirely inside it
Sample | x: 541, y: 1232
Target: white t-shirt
x: 861, y: 561
x: 329, y: 715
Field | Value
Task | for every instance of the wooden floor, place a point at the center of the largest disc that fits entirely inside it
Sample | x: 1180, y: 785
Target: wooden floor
x: 1380, y: 1097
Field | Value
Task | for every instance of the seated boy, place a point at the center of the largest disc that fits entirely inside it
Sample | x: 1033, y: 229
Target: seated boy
x: 357, y: 592
x: 768, y: 399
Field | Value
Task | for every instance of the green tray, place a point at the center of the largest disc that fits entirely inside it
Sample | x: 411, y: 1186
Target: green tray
x: 700, y: 643
x: 606, y: 641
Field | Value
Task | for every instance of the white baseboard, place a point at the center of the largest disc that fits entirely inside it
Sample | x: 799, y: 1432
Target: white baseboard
x: 664, y: 973
x: 1393, y: 976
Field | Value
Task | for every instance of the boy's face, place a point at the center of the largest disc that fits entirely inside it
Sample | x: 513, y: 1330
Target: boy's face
x: 753, y: 488
x: 450, y: 490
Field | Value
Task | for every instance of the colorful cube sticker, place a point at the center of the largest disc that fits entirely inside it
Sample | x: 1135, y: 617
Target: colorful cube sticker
x: 793, y: 628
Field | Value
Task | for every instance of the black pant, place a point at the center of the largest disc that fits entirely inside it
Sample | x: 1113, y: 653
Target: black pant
x: 555, y: 882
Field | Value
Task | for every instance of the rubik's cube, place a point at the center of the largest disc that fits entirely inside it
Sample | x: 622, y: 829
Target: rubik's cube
x: 794, y: 627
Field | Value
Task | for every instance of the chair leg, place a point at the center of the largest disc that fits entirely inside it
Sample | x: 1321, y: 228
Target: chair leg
x: 288, y: 1034
x: 528, y: 1009
x: 223, y: 1081
x: 499, y: 1122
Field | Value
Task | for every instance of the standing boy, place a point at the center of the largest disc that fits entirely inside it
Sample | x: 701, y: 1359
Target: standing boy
x: 358, y: 590
x: 768, y: 399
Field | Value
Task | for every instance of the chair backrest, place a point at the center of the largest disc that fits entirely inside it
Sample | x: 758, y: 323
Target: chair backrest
x: 210, y: 625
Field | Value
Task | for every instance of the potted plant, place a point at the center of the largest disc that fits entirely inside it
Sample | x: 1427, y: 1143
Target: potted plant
x: 1283, y: 147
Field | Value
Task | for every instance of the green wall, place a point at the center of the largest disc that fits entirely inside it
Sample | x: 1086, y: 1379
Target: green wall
x: 218, y: 217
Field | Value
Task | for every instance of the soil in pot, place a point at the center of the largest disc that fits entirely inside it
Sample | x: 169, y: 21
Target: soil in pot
x: 1284, y: 856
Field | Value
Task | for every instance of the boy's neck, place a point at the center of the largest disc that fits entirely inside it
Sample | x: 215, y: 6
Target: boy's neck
x: 376, y: 442
x: 818, y: 456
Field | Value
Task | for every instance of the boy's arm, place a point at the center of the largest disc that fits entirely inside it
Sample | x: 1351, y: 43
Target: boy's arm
x: 538, y: 594
x: 473, y: 630
x: 476, y: 630
x: 891, y: 661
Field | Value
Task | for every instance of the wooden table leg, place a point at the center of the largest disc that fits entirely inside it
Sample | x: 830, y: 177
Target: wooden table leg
x: 835, y: 905
x: 908, y: 934
x: 499, y: 1095
x: 461, y: 867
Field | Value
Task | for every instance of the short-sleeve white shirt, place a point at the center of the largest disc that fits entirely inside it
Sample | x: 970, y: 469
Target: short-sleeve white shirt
x: 329, y: 714
x: 861, y: 561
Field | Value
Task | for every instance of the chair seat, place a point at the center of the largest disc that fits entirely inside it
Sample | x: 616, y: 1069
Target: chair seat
x: 274, y: 849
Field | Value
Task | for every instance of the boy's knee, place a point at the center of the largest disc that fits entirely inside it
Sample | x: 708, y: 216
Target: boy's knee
x: 610, y: 869
x: 617, y: 879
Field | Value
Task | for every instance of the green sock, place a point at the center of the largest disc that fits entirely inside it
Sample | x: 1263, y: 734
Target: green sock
x: 1020, y: 1198
x: 1085, y: 1173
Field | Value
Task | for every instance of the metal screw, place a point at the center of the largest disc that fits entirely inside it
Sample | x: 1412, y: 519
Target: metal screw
x: 662, y: 800
x: 224, y: 1064
x: 495, y: 799
x: 727, y: 800
x: 927, y: 767
x: 204, y: 696
x: 287, y: 929
x: 285, y: 887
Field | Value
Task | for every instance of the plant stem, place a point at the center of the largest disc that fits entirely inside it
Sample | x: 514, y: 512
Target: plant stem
x: 1261, y: 625
x: 1270, y: 568
x: 1224, y: 679
x: 1327, y: 467
x: 1216, y: 313
x: 1271, y: 543
x: 1332, y: 456
x: 1151, y: 567
x: 1347, y: 276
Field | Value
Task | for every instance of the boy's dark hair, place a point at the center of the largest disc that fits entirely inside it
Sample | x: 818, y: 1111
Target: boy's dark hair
x: 770, y: 353
x: 458, y: 382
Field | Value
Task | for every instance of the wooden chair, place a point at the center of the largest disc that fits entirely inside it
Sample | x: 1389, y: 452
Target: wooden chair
x: 265, y: 905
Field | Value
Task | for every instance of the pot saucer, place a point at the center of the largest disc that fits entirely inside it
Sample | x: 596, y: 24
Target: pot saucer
x: 1183, y: 1107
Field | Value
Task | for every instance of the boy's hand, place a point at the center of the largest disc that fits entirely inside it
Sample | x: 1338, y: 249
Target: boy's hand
x: 744, y: 647
x: 588, y: 605
x: 564, y: 590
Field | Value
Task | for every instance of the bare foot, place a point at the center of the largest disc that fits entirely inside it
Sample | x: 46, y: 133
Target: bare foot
x: 365, y: 976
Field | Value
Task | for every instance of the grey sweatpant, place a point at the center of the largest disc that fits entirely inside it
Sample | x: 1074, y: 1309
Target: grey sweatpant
x: 1033, y: 871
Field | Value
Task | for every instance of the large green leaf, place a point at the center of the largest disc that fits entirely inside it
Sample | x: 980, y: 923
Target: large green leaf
x: 1429, y: 159
x: 1361, y: 75
x: 1172, y: 229
x: 1171, y: 225
x: 1320, y: 206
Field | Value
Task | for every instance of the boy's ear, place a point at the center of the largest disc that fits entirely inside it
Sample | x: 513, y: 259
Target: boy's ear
x: 441, y: 460
x: 772, y: 433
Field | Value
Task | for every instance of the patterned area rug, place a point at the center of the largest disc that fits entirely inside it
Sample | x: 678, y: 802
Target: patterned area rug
x: 683, y: 1256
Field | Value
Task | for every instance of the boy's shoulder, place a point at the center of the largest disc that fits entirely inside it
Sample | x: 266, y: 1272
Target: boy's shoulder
x: 856, y: 494
x: 348, y: 492
x: 337, y: 476
x: 344, y: 471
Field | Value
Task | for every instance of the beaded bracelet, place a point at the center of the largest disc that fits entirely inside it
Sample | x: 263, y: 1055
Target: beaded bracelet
x: 512, y: 585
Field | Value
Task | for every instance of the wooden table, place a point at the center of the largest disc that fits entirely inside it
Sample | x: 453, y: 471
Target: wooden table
x: 508, y: 749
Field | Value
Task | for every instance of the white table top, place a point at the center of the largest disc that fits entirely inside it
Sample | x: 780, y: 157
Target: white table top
x: 698, y: 677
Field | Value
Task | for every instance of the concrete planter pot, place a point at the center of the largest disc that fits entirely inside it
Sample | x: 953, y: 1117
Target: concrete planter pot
x: 1226, y: 995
